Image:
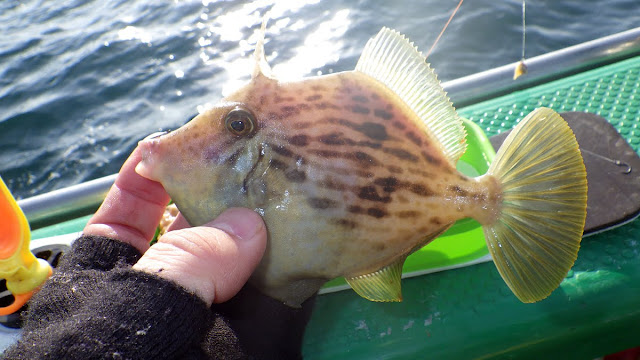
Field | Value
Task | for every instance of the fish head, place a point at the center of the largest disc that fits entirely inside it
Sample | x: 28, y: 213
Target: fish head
x: 211, y: 157
x: 215, y: 154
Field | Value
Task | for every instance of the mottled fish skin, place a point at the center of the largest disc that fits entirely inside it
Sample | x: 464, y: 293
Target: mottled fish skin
x: 344, y: 177
x: 354, y: 171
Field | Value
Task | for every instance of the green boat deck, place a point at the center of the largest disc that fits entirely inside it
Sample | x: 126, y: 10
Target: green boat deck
x: 469, y: 312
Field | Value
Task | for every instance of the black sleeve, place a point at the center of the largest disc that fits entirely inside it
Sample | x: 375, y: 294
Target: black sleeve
x: 258, y: 327
x: 95, y: 306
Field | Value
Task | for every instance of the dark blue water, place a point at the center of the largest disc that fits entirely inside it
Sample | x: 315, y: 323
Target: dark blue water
x: 82, y: 81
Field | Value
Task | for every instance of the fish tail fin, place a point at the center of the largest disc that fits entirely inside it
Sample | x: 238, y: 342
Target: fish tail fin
x: 535, y: 238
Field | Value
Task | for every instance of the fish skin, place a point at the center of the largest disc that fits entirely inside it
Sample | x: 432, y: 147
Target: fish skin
x: 345, y: 180
x: 351, y: 177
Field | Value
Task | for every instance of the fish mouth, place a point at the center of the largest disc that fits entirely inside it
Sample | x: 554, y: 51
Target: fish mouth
x: 149, y: 147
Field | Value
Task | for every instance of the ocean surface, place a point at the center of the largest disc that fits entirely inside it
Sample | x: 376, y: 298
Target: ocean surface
x: 82, y: 81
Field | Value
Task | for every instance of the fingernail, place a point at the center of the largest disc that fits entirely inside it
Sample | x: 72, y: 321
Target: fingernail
x: 239, y: 222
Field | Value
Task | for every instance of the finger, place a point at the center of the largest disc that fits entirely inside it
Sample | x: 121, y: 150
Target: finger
x: 132, y: 208
x: 213, y: 261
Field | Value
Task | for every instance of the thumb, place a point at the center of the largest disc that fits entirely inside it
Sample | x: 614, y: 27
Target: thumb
x: 212, y: 261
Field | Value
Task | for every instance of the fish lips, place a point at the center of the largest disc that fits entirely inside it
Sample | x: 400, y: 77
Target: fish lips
x: 150, y: 148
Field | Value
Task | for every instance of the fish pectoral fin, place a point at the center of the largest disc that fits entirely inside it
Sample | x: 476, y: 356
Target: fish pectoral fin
x: 390, y: 58
x: 382, y: 285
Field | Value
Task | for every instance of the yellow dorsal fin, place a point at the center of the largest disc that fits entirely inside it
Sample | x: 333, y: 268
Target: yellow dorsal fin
x: 390, y: 58
x: 261, y: 66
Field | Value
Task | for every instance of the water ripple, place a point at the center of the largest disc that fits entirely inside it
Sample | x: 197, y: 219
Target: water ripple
x: 81, y: 81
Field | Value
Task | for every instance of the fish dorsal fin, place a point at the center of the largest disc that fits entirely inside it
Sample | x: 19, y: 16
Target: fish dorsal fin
x: 390, y: 58
x: 381, y: 285
x: 261, y: 66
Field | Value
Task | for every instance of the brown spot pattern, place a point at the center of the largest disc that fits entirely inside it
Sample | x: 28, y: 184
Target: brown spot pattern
x: 370, y: 193
x: 289, y: 110
x: 458, y: 190
x: 322, y: 203
x: 414, y: 138
x: 281, y: 150
x: 355, y: 209
x: 295, y: 176
x: 408, y: 214
x: 277, y: 164
x: 388, y: 184
x: 421, y: 189
x: 401, y: 154
x: 360, y: 98
x: 431, y: 159
x: 376, y: 213
x: 349, y: 224
x: 332, y: 183
x: 382, y: 114
x: 326, y: 105
x: 359, y: 109
x: 299, y: 140
x: 278, y: 99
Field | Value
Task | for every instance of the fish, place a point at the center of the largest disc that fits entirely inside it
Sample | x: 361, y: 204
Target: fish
x: 353, y: 171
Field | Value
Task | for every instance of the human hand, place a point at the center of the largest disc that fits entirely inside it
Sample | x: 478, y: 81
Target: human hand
x: 213, y: 261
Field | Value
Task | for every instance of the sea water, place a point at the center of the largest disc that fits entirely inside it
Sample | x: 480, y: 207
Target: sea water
x: 81, y: 81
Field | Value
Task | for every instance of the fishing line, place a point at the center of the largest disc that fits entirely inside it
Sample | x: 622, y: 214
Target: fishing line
x: 524, y: 28
x: 444, y: 28
x: 521, y: 67
x: 627, y: 168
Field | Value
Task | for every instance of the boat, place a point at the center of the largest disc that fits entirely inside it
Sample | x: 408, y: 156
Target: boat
x: 467, y: 312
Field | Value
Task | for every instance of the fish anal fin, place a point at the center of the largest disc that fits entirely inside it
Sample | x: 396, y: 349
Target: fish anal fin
x: 390, y: 58
x: 383, y: 285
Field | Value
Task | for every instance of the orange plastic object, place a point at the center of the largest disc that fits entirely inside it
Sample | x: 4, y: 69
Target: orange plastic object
x: 23, y: 272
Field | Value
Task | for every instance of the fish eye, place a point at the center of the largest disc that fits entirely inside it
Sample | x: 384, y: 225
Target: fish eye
x: 240, y: 122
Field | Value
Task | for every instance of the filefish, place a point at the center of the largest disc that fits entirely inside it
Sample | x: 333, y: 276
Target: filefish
x: 353, y: 171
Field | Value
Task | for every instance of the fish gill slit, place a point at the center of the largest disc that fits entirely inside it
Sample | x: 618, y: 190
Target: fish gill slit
x: 245, y: 181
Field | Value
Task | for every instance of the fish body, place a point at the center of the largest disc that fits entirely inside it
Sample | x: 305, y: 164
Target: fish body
x: 351, y: 172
